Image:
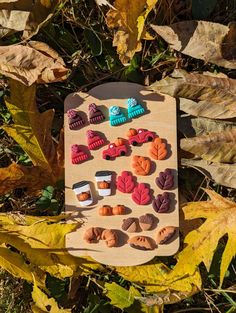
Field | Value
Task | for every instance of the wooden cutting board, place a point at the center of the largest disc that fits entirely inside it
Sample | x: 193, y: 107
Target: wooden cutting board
x: 160, y: 117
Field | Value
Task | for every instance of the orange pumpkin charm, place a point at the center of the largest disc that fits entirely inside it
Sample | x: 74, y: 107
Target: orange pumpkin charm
x: 131, y: 132
x: 105, y: 210
x: 118, y: 210
x: 119, y: 142
x: 103, y: 185
x: 83, y: 196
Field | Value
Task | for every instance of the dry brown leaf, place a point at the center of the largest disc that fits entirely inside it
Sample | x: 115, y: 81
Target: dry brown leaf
x: 223, y: 174
x: 19, y: 176
x: 128, y: 20
x: 215, y: 147
x: 208, y: 41
x: 25, y: 15
x: 34, y: 62
x: 104, y: 2
x: 215, y: 96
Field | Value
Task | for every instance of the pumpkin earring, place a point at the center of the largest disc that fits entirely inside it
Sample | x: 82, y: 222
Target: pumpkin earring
x: 135, y: 109
x: 74, y: 119
x: 116, y: 116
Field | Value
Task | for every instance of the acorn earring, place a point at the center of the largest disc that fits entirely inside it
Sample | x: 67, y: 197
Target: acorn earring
x: 134, y: 108
x: 116, y: 116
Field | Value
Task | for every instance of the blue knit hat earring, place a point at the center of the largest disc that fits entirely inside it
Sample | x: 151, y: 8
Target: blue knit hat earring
x: 116, y: 116
x: 134, y: 108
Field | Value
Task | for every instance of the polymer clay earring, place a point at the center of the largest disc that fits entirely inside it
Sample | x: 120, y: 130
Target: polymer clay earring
x: 75, y: 120
x: 116, y: 116
x: 78, y: 155
x: 83, y: 193
x: 103, y: 179
x: 94, y: 140
x: 95, y: 114
x: 135, y: 109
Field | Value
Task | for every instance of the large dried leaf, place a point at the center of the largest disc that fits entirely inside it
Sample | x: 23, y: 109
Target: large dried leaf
x: 208, y: 41
x: 215, y: 96
x: 34, y: 62
x: 220, y: 215
x: 223, y: 174
x: 195, y: 126
x: 25, y: 15
x: 18, y: 176
x: 215, y: 147
x: 128, y: 20
x: 31, y: 129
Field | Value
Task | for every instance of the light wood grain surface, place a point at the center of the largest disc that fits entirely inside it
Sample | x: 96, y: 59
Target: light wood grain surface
x: 160, y: 118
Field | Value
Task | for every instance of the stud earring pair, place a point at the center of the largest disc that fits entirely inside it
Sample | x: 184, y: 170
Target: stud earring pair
x: 117, y: 117
x: 76, y: 121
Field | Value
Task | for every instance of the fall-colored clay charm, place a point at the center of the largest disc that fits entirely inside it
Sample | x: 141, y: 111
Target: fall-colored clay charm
x: 83, y: 193
x: 118, y: 210
x: 95, y: 114
x: 130, y: 225
x: 141, y: 165
x: 74, y: 119
x: 158, y: 150
x: 135, y: 109
x: 165, y: 234
x: 105, y: 210
x: 165, y: 181
x: 94, y: 140
x: 142, y: 243
x: 93, y: 234
x: 141, y: 194
x: 118, y: 148
x: 125, y: 182
x: 78, y: 155
x: 146, y: 221
x: 139, y: 136
x: 103, y: 179
x: 111, y: 237
x: 162, y: 203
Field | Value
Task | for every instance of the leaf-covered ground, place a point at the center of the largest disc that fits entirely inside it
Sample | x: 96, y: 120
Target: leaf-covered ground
x: 92, y: 41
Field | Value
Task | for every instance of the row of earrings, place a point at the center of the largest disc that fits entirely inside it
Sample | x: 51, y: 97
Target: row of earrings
x: 95, y: 115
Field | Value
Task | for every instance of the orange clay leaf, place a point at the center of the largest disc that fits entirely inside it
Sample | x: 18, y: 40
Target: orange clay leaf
x: 141, y: 165
x: 158, y: 149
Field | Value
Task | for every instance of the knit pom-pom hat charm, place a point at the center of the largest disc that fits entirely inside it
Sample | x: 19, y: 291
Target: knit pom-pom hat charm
x: 134, y: 108
x: 94, y: 140
x: 95, y: 114
x: 78, y: 155
x: 74, y: 119
x: 116, y: 116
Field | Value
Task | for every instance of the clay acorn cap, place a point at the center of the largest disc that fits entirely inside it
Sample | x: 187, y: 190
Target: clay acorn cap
x: 165, y: 234
x: 146, y: 221
x: 142, y: 243
x: 130, y: 224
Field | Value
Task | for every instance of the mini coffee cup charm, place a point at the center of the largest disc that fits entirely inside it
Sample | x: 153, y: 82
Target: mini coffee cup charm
x: 103, y: 179
x: 83, y: 193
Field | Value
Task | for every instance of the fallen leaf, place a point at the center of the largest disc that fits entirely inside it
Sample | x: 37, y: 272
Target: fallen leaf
x: 195, y: 126
x: 208, y: 41
x: 215, y: 96
x: 33, y: 62
x: 201, y: 243
x: 215, y: 147
x: 128, y: 19
x: 31, y: 129
x: 119, y: 296
x: 222, y: 174
x: 104, y: 2
x: 42, y: 303
x: 21, y: 15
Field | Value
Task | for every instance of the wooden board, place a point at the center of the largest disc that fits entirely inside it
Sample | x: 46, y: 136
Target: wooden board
x: 161, y: 118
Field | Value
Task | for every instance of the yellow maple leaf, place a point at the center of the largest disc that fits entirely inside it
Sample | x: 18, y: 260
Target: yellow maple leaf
x: 220, y: 215
x: 128, y: 18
